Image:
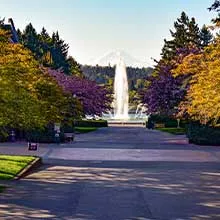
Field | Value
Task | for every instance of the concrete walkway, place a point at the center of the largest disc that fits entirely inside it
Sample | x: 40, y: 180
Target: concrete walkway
x: 117, y: 173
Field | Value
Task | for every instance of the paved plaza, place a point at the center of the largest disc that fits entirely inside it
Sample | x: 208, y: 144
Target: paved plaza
x: 117, y: 173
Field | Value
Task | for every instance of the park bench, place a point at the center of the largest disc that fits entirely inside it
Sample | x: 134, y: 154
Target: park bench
x: 159, y: 125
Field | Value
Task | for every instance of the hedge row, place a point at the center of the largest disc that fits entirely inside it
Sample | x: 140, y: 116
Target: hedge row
x: 47, y: 135
x: 167, y: 121
x: 91, y: 123
x: 202, y: 134
x: 196, y: 133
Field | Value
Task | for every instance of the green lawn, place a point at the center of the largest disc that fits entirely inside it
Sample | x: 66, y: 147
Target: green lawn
x: 85, y: 129
x: 176, y: 131
x: 10, y: 166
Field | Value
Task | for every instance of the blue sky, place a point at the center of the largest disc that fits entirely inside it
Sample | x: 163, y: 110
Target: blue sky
x: 93, y: 27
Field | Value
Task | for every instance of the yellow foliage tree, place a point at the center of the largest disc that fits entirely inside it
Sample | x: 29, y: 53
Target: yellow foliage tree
x: 29, y: 97
x: 203, y: 96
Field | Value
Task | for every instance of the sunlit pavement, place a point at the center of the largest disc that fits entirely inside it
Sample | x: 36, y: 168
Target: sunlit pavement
x: 118, y: 173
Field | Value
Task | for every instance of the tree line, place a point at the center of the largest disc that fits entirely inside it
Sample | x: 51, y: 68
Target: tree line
x: 41, y: 85
x: 50, y: 51
x: 185, y: 82
x: 106, y: 74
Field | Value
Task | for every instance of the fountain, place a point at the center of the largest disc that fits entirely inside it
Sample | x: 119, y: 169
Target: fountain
x: 121, y: 115
x: 121, y: 91
x: 140, y: 111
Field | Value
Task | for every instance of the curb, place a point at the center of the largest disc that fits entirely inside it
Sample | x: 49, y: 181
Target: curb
x: 34, y: 164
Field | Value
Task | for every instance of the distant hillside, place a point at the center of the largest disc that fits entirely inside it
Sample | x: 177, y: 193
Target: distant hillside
x: 105, y: 75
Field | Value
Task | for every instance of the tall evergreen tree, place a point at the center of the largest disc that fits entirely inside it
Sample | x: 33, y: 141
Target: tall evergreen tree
x: 205, y: 36
x: 193, y: 33
x: 59, y: 53
x: 20, y: 37
x: 45, y: 45
x: 186, y: 33
x: 31, y: 41
x: 51, y: 51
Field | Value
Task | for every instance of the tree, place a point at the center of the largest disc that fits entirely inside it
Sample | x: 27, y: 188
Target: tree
x: 216, y: 7
x: 205, y: 36
x: 29, y: 97
x: 74, y: 67
x: 59, y: 53
x: 4, y: 36
x: 202, y: 101
x: 186, y: 33
x: 51, y: 51
x: 163, y: 93
x: 105, y: 74
x: 31, y: 41
x: 2, y: 22
x: 19, y: 33
x: 95, y: 99
x: 45, y: 48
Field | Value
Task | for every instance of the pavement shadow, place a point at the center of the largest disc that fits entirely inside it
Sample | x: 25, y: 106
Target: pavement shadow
x: 69, y: 192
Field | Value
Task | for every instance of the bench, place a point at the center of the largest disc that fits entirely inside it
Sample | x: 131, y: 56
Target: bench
x: 159, y: 125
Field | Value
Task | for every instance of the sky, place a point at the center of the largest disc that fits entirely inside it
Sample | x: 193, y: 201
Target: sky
x: 94, y: 27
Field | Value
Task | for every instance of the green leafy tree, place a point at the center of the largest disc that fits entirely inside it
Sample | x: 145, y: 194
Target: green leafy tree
x: 74, y: 67
x: 29, y: 97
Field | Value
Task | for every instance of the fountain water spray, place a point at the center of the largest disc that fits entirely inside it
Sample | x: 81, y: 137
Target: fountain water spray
x: 121, y: 91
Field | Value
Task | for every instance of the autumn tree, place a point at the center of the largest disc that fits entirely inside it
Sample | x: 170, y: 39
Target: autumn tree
x: 164, y: 92
x: 203, y: 100
x: 95, y: 99
x: 29, y: 97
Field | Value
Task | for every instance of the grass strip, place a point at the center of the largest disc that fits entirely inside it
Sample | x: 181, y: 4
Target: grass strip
x: 10, y: 166
x: 175, y: 131
x: 85, y: 129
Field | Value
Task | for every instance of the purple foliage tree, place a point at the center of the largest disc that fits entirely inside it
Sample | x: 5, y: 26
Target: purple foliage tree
x: 165, y: 92
x: 94, y: 98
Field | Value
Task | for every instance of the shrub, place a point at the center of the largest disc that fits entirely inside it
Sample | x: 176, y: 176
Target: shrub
x: 167, y: 121
x: 46, y: 135
x: 4, y: 135
x: 67, y: 128
x: 91, y: 123
x: 203, y: 134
